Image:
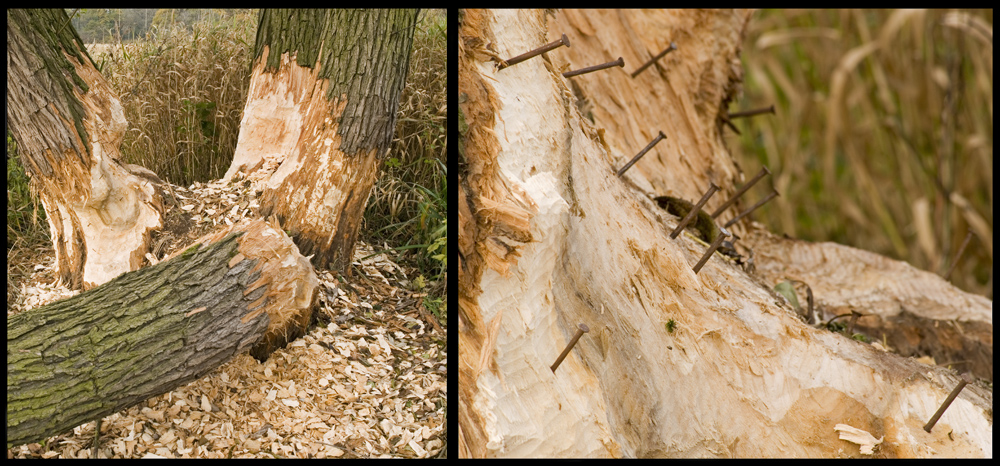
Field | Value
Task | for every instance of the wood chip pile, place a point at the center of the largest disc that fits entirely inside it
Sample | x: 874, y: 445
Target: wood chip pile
x: 369, y: 380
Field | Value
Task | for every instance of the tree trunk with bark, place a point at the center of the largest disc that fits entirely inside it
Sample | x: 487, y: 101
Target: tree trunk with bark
x: 152, y: 330
x: 675, y: 363
x: 320, y: 114
x: 68, y: 124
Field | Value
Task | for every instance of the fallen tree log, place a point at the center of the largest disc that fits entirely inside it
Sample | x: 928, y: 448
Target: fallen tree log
x: 144, y: 333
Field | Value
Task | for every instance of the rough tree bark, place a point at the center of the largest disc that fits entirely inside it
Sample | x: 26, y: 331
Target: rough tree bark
x: 320, y: 114
x: 150, y: 331
x: 675, y: 363
x: 68, y: 124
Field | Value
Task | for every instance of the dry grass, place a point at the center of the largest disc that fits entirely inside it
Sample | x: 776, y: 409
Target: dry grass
x: 883, y: 137
x: 408, y: 207
x: 183, y: 91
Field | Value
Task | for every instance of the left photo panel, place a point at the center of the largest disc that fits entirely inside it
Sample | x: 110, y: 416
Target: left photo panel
x: 227, y: 233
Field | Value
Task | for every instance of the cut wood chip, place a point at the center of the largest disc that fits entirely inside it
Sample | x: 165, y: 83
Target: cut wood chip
x: 369, y: 383
x: 253, y: 286
x: 236, y: 260
x: 865, y: 440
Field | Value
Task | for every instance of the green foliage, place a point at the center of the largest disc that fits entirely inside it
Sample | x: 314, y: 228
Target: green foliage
x: 440, y: 247
x: 671, y: 326
x: 861, y: 337
x: 25, y: 217
x: 786, y: 290
x: 27, y: 230
x: 198, y: 118
x: 437, y: 306
x: 18, y: 195
x: 409, y: 202
x: 836, y: 326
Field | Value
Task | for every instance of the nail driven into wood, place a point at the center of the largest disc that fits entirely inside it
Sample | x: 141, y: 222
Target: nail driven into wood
x: 579, y: 333
x: 838, y: 317
x: 966, y: 379
x: 854, y: 320
x: 752, y: 208
x: 694, y: 211
x: 958, y: 255
x: 641, y: 153
x: 619, y: 62
x: 711, y: 249
x: 749, y: 113
x: 665, y: 51
x: 763, y: 172
x: 731, y: 126
x: 534, y: 53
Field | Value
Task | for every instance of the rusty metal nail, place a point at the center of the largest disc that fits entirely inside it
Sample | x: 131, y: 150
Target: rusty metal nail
x: 763, y: 171
x: 711, y: 249
x: 731, y: 126
x: 958, y: 255
x: 619, y: 62
x: 966, y: 379
x: 534, y: 53
x: 854, y: 319
x: 641, y: 153
x: 579, y: 333
x: 752, y: 208
x: 642, y: 68
x: 694, y: 211
x: 835, y: 318
x: 749, y: 113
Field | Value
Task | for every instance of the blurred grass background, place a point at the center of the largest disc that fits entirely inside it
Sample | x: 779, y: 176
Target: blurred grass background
x: 883, y: 137
x: 184, y: 87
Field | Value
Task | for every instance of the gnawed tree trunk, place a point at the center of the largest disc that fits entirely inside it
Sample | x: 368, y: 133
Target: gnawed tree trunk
x: 675, y: 363
x: 320, y: 114
x: 68, y: 124
x: 150, y: 331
